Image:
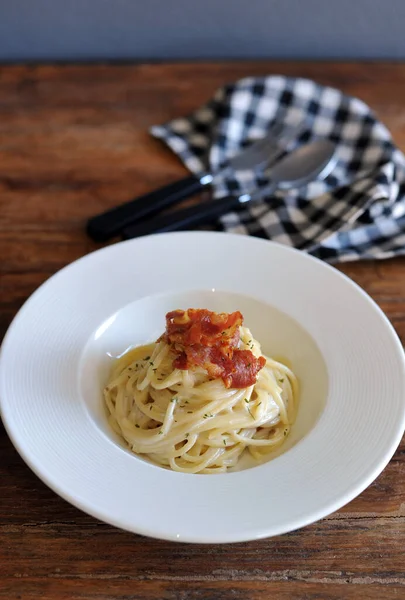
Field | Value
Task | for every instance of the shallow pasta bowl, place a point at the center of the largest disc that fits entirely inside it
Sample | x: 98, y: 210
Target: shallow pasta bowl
x: 350, y: 364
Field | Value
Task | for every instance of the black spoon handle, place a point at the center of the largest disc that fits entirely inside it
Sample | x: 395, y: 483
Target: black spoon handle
x: 111, y: 223
x: 185, y: 218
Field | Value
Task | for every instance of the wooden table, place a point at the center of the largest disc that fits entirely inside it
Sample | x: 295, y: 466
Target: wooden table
x: 74, y: 141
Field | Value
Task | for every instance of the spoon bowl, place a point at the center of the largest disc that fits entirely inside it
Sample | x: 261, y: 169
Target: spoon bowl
x: 303, y: 165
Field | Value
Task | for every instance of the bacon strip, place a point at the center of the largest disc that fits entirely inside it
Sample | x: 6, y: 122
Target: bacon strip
x: 245, y: 369
x: 210, y: 340
x: 201, y: 326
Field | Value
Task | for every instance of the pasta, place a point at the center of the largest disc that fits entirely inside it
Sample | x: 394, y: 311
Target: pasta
x: 201, y: 395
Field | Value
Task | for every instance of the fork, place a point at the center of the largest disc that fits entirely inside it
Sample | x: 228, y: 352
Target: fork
x: 258, y: 155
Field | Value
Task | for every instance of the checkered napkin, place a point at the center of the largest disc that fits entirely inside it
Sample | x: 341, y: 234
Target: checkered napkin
x: 358, y: 212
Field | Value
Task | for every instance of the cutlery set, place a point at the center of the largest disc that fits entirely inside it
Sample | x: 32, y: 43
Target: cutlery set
x: 268, y: 156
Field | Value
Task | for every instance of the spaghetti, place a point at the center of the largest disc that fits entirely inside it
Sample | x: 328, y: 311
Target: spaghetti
x: 200, y: 396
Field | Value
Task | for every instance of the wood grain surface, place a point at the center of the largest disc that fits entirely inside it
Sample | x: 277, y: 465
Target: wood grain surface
x: 74, y: 141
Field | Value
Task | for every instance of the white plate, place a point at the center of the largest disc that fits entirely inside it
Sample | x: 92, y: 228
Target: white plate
x: 347, y: 356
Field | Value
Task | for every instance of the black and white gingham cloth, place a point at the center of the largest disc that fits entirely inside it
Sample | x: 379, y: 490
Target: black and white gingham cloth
x: 357, y: 212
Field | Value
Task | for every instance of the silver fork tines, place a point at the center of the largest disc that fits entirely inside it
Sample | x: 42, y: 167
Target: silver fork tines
x: 262, y: 151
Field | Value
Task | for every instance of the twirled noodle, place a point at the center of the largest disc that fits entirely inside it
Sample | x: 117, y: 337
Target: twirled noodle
x: 186, y: 421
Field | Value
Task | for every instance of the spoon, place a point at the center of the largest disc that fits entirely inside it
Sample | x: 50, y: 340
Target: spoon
x: 311, y: 161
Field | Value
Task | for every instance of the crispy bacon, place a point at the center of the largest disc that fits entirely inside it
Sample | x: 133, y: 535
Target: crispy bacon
x: 201, y: 326
x: 210, y: 340
x: 245, y: 369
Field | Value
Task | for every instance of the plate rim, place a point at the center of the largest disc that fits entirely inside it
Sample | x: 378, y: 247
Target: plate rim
x: 350, y: 494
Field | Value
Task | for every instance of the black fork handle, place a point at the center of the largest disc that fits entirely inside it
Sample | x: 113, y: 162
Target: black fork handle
x: 111, y: 223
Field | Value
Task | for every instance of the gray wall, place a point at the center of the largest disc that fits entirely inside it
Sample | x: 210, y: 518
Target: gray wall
x: 176, y: 29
